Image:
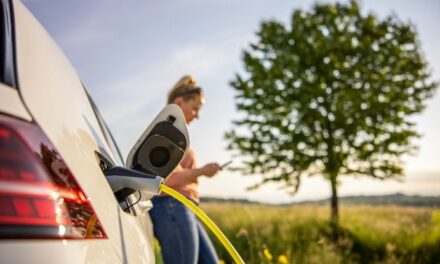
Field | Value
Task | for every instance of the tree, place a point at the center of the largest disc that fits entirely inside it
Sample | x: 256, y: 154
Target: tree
x: 331, y: 94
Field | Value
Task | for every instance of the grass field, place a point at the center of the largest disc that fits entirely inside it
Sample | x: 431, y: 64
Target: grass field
x: 301, y: 234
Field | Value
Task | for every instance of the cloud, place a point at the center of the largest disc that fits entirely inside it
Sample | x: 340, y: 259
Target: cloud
x: 150, y: 84
x: 129, y: 102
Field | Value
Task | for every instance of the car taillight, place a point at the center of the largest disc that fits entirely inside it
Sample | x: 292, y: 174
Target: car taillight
x: 39, y: 196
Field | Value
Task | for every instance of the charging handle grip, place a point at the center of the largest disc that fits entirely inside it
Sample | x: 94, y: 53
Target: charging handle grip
x: 121, y: 178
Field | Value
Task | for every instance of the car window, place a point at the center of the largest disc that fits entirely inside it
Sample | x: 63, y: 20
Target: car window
x: 7, y: 70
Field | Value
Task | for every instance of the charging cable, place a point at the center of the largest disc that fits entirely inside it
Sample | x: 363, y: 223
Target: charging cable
x: 130, y: 205
x: 208, y: 222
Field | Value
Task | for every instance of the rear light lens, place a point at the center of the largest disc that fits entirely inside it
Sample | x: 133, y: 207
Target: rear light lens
x: 39, y: 196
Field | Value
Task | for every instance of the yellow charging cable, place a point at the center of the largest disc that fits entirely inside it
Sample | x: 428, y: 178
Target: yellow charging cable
x: 214, y: 228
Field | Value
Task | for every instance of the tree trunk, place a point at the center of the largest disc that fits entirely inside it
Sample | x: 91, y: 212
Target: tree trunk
x: 334, y: 220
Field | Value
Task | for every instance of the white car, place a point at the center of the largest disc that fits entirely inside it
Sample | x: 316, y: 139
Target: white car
x: 65, y: 196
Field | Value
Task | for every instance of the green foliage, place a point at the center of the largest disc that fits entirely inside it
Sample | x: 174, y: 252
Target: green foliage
x: 157, y: 253
x: 300, y: 234
x: 330, y: 94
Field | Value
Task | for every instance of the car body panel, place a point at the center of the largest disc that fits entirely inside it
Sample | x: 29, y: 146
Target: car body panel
x: 12, y: 104
x: 56, y: 100
x: 64, y: 251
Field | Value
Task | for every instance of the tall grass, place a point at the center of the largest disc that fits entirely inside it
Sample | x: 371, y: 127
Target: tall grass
x: 301, y: 234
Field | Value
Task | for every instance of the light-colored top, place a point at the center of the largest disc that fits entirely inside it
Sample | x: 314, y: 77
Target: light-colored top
x: 180, y: 181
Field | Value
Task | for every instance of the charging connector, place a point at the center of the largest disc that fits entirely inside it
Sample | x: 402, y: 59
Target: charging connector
x: 125, y: 182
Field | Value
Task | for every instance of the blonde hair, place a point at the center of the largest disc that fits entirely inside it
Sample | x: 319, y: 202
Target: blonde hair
x: 186, y: 88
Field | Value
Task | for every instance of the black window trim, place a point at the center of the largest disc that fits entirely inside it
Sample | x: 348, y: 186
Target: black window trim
x: 7, y: 63
x: 104, y: 128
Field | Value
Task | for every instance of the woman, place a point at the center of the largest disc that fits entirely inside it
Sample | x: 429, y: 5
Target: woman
x: 182, y: 238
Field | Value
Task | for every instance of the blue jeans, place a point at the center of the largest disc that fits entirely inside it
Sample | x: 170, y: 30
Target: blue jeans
x: 182, y: 238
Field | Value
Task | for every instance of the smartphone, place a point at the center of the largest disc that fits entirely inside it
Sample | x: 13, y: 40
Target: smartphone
x: 225, y: 164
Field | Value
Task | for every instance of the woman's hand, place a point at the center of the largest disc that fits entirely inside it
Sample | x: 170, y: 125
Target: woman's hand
x: 210, y: 169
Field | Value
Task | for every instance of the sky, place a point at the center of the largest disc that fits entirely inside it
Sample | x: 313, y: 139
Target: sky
x: 130, y: 53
